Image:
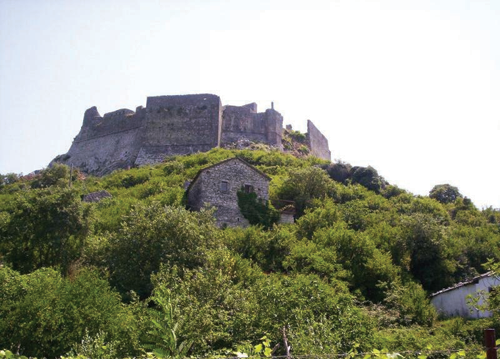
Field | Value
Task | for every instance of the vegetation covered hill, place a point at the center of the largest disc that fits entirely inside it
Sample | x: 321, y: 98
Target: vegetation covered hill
x: 139, y: 273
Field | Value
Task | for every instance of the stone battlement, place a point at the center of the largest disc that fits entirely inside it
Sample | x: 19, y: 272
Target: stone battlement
x: 174, y: 125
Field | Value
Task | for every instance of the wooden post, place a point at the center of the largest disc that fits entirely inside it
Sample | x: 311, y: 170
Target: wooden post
x: 287, y: 347
x: 70, y: 176
x: 489, y: 342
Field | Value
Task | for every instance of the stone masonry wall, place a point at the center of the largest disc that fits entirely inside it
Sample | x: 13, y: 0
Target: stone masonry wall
x: 173, y: 125
x: 237, y: 174
x: 179, y: 125
x: 274, y: 128
x: 107, y: 143
x: 318, y: 143
x: 244, y: 122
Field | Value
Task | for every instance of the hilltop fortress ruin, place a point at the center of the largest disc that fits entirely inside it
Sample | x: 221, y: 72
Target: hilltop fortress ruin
x: 175, y: 125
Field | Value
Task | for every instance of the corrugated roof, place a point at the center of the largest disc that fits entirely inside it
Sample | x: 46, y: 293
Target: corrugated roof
x: 463, y: 284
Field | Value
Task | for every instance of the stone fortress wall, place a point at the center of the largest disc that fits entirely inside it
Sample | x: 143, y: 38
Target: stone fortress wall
x: 174, y: 125
x: 244, y: 122
x: 317, y: 142
x: 107, y: 143
x: 179, y: 125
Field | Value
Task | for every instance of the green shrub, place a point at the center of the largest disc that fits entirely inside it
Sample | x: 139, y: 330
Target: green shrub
x: 267, y: 248
x: 367, y: 177
x: 57, y: 175
x: 320, y: 317
x: 304, y: 185
x: 445, y: 193
x: 213, y: 306
x: 46, y: 227
x: 153, y: 234
x: 297, y: 136
x: 44, y: 314
x: 256, y: 211
x: 411, y: 302
x: 172, y: 167
x: 304, y: 149
x: 131, y: 180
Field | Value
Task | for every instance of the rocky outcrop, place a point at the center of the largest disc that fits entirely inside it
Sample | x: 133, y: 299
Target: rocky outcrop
x: 96, y: 196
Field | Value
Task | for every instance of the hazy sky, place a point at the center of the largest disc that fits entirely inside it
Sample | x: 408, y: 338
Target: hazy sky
x: 411, y: 88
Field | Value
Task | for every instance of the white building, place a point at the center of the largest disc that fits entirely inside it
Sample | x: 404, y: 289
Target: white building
x: 453, y: 301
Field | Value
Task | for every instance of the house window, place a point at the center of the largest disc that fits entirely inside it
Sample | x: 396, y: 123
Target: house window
x: 249, y: 188
x: 224, y: 186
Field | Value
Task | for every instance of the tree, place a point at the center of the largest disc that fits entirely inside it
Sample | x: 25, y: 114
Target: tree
x: 325, y: 213
x: 366, y: 265
x: 411, y: 302
x: 43, y: 314
x: 46, y: 227
x: 154, y: 234
x: 367, y: 177
x: 339, y: 171
x: 8, y: 178
x: 211, y: 306
x: 56, y: 175
x: 334, y: 324
x: 445, y: 193
x: 304, y: 185
x: 431, y: 259
x: 263, y: 247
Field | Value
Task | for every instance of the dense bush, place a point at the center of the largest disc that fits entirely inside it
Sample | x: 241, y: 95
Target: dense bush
x: 57, y: 175
x: 44, y: 227
x: 445, y: 193
x: 42, y: 313
x: 356, y: 268
x: 256, y: 211
x: 304, y: 185
x: 367, y: 177
x: 8, y: 178
x: 411, y: 303
x: 339, y: 171
x: 154, y: 234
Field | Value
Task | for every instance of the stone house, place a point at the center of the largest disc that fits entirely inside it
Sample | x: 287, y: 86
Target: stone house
x: 218, y: 185
x: 453, y: 301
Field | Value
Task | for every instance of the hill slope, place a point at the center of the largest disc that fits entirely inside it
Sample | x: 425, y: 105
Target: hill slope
x: 355, y: 268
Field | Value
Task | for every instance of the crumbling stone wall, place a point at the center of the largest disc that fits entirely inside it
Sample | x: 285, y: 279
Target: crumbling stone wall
x: 244, y: 122
x: 107, y: 143
x: 317, y: 142
x: 169, y: 125
x: 173, y: 125
x: 207, y: 189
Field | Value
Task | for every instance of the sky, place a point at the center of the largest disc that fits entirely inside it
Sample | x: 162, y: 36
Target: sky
x: 411, y: 88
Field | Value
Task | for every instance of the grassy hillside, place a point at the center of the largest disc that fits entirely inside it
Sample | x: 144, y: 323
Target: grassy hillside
x: 138, y: 273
